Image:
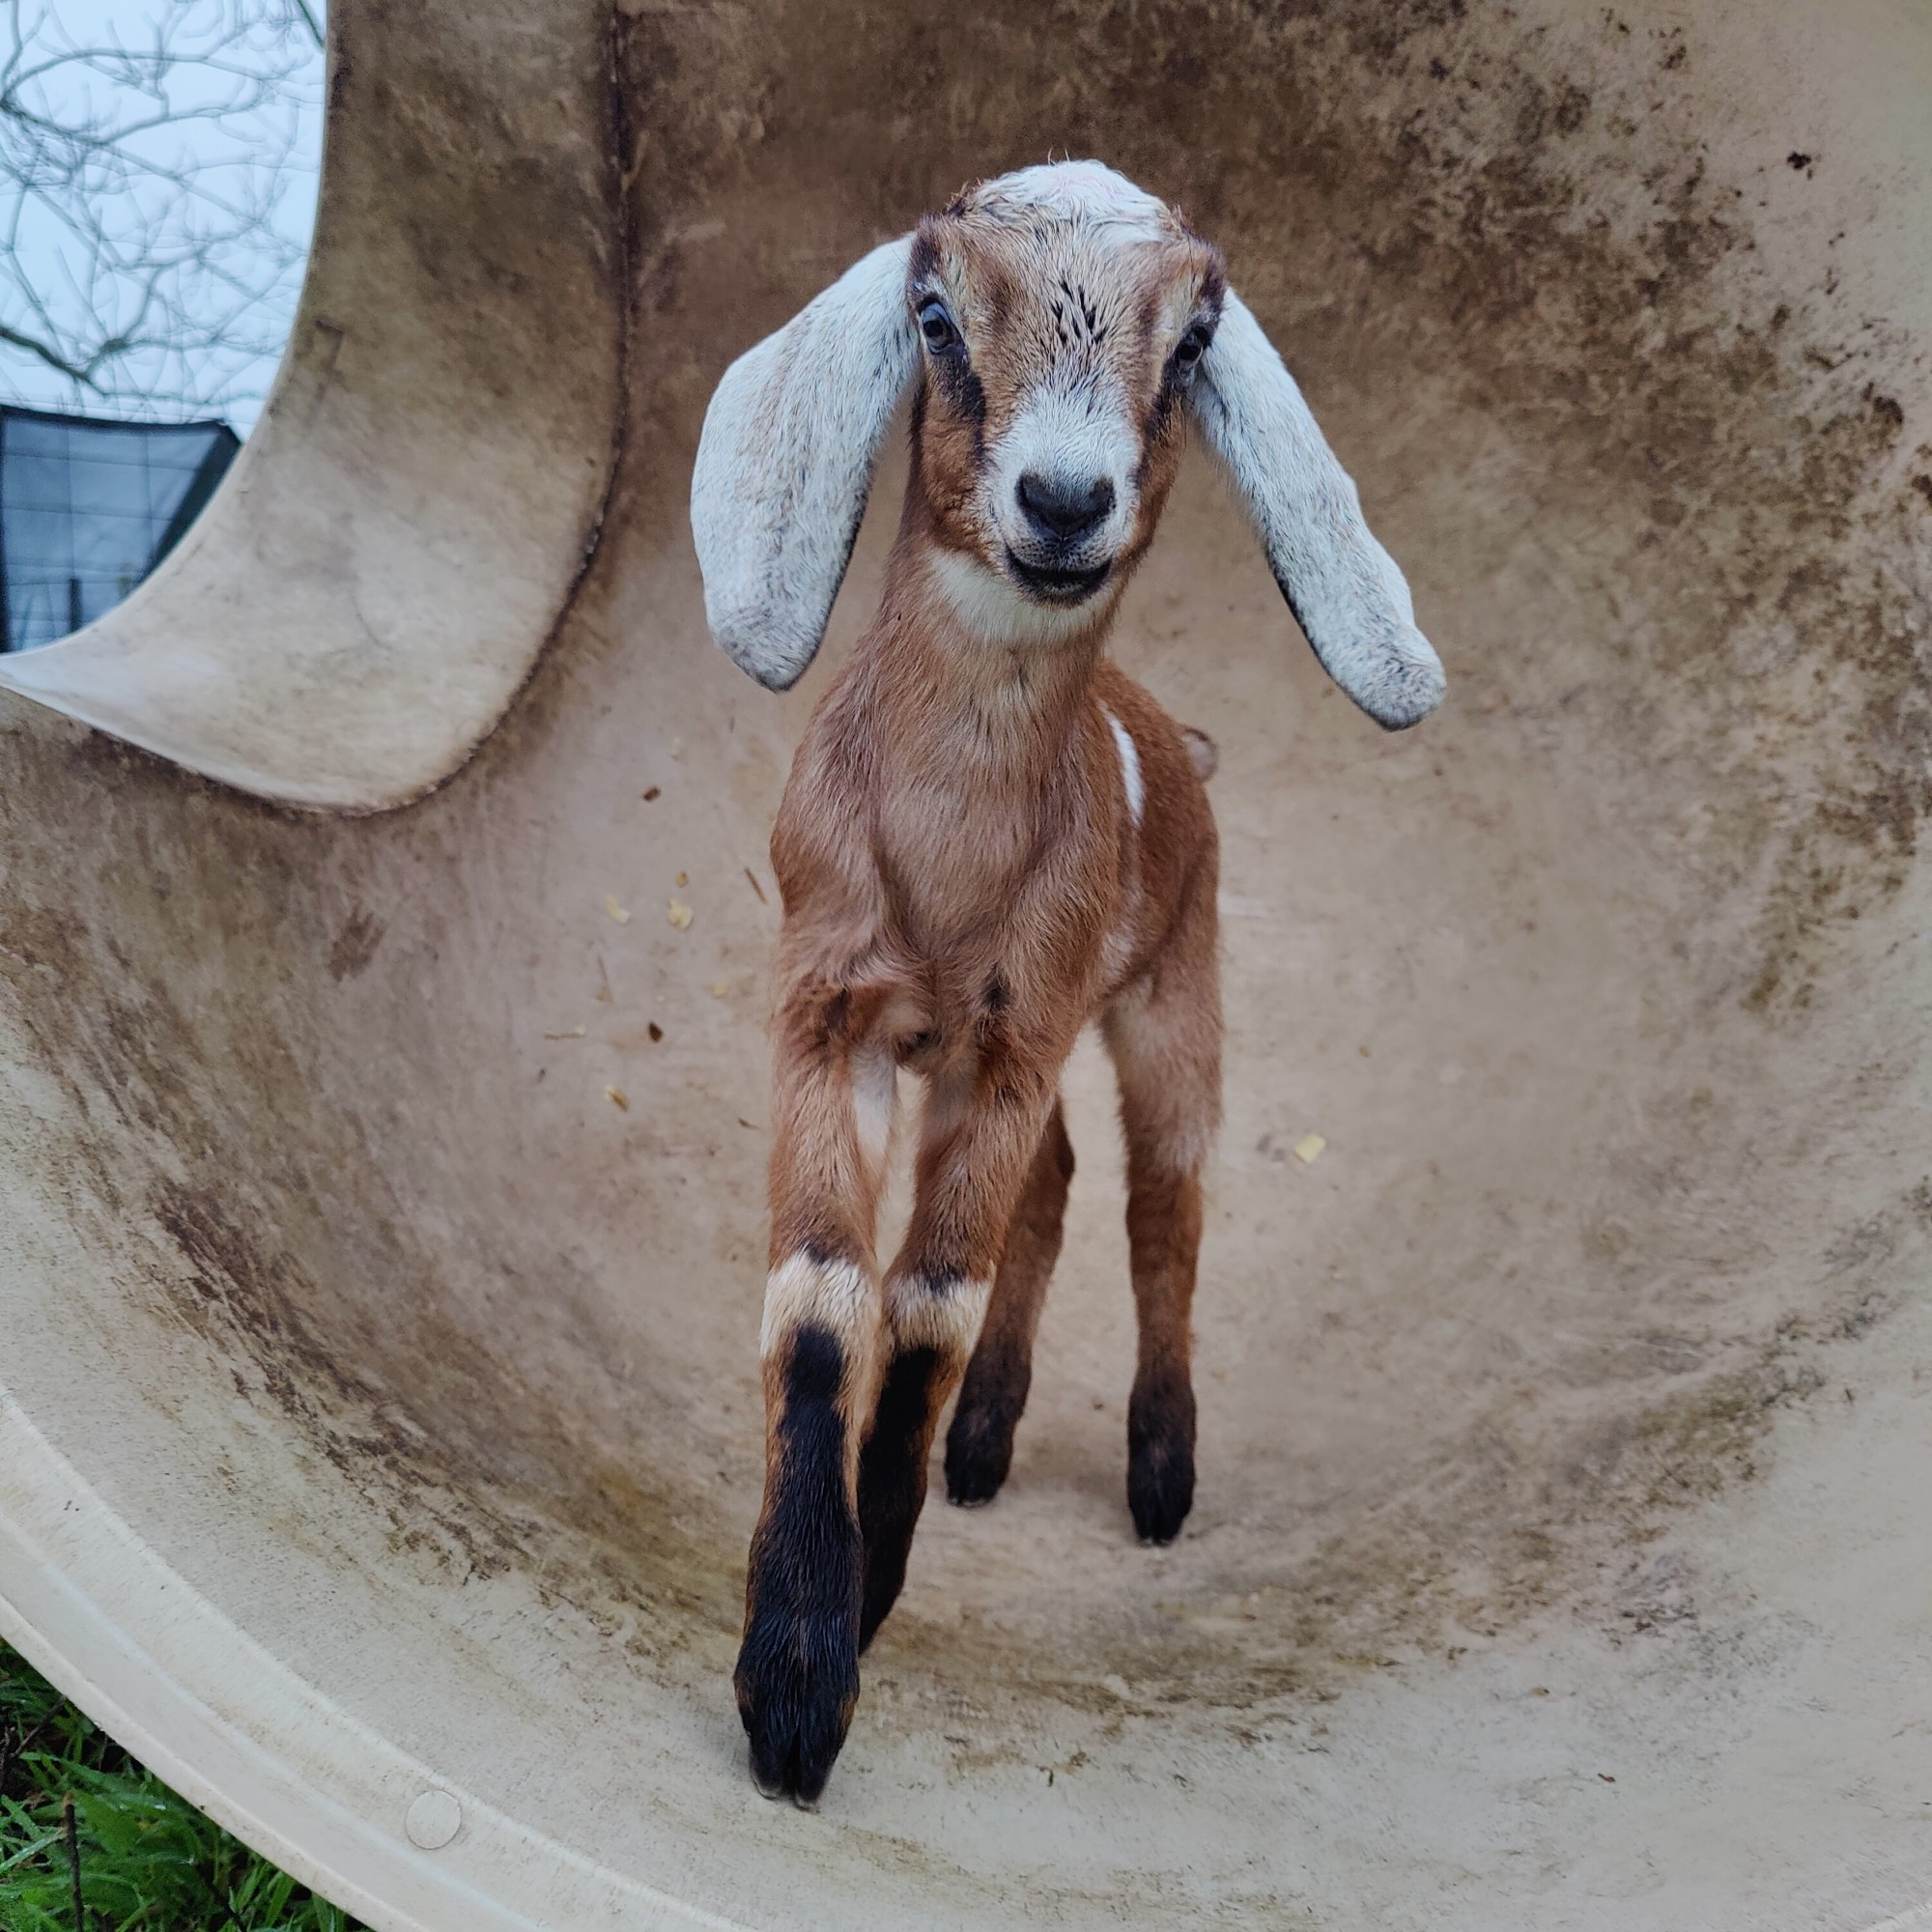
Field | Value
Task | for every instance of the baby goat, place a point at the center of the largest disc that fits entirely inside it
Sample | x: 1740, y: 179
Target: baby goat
x: 990, y: 835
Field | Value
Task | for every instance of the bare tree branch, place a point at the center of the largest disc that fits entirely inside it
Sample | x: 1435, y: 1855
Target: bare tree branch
x: 155, y: 194
x: 48, y: 355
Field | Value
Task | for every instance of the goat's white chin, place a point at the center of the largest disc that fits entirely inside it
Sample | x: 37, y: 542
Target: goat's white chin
x: 990, y: 604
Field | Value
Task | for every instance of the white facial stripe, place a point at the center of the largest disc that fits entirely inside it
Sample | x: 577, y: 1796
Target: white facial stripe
x: 936, y: 1315
x: 1077, y: 435
x: 830, y: 1294
x: 1130, y: 767
x: 993, y: 606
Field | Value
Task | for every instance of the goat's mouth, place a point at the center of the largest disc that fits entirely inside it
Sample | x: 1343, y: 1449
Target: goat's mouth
x: 1055, y: 586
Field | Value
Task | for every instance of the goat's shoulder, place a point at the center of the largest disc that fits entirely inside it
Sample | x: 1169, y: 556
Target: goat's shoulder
x: 822, y: 845
x: 1172, y: 762
x: 1175, y: 852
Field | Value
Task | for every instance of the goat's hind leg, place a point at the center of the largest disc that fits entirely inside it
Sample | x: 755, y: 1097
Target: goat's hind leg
x: 979, y: 1445
x: 1165, y: 1036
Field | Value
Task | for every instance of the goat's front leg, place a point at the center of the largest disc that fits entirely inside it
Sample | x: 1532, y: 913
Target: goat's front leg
x: 979, y: 1445
x: 797, y: 1669
x: 984, y: 1121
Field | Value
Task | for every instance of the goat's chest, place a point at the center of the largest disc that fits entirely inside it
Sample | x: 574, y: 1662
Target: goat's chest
x: 970, y: 873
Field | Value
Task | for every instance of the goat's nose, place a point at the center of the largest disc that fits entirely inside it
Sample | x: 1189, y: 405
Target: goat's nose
x: 1063, y: 510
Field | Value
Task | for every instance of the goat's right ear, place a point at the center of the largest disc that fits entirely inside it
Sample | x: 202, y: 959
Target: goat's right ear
x: 785, y: 463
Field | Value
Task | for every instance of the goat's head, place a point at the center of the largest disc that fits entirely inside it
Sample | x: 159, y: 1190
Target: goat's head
x: 1061, y: 315
x: 1060, y: 324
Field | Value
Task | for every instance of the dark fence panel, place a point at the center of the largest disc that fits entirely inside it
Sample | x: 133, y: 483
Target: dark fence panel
x: 87, y: 509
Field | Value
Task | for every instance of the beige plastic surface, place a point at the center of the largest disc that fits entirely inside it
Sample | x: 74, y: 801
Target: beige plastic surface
x: 379, y: 1431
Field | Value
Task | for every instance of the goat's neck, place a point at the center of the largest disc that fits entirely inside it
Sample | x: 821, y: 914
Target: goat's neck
x: 998, y: 712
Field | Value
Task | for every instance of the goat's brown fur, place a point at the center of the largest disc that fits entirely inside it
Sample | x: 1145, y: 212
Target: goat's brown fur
x: 968, y: 878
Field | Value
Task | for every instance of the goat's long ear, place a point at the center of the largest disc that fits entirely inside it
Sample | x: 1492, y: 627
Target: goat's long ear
x: 1343, y: 586
x: 785, y: 462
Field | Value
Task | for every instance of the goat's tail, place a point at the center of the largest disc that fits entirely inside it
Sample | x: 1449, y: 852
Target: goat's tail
x: 1201, y: 752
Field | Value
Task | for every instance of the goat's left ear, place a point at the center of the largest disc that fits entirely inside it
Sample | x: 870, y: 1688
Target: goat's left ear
x: 785, y: 463
x: 1343, y: 586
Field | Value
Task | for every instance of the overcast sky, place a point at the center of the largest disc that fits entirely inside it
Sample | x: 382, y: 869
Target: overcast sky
x: 186, y: 226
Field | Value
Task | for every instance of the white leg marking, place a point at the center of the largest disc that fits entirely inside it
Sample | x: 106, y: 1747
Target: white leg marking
x: 835, y: 1295
x: 942, y: 1314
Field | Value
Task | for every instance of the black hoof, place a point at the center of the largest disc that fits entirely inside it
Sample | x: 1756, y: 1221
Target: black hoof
x: 1161, y: 1468
x: 797, y: 1682
x: 979, y: 1455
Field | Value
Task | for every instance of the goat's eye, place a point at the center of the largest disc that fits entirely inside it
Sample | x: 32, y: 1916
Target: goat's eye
x: 937, y: 327
x: 1188, y: 352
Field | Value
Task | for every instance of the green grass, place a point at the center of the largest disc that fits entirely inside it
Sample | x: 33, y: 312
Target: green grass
x: 73, y: 1800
